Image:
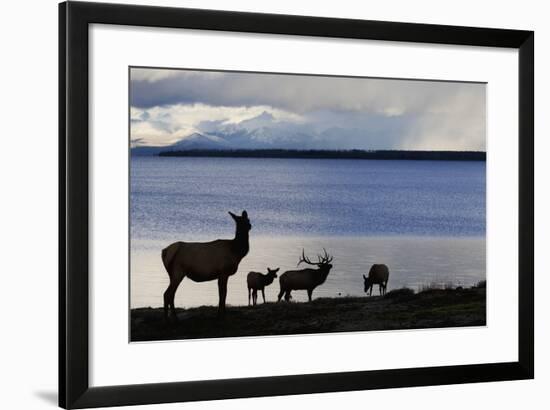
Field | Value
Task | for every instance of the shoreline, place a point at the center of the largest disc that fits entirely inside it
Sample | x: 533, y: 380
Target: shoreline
x: 413, y: 262
x: 359, y: 154
x: 400, y: 309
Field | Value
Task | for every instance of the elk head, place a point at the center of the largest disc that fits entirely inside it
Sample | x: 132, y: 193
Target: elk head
x: 323, y: 261
x: 368, y: 283
x: 243, y: 223
x: 272, y: 272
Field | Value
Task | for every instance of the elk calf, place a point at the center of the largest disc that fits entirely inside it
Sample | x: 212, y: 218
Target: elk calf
x: 305, y: 279
x: 257, y: 281
x: 378, y: 275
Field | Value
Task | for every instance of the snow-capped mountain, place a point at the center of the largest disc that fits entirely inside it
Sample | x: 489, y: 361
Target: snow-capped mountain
x: 261, y: 132
x: 190, y: 142
x: 261, y: 138
x: 199, y: 141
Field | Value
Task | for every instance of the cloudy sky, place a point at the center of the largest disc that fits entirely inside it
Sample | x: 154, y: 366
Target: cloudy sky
x: 290, y: 111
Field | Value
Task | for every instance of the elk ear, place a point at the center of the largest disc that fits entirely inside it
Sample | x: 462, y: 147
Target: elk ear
x: 364, y: 277
x: 245, y: 214
x: 232, y: 215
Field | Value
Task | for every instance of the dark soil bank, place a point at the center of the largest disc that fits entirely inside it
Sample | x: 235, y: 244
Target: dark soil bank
x: 399, y: 309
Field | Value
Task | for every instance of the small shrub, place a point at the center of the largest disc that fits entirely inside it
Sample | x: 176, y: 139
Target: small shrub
x: 449, y: 286
x: 437, y: 286
x: 429, y: 286
x: 400, y: 293
x: 482, y: 284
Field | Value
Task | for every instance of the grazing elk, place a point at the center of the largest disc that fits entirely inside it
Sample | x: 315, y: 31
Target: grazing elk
x: 205, y: 261
x: 258, y: 281
x: 305, y: 279
x: 378, y: 275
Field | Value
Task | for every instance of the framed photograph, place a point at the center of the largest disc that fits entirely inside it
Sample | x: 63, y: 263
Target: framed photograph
x: 256, y: 204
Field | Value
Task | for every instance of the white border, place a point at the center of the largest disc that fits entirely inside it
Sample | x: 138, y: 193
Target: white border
x: 113, y: 361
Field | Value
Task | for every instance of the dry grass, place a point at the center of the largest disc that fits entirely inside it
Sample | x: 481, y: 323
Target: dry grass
x: 399, y: 309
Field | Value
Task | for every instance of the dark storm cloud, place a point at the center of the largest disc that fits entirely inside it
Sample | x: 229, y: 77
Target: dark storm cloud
x: 296, y: 93
x: 378, y: 113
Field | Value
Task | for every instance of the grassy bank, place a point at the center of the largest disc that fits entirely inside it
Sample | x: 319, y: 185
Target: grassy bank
x: 399, y: 309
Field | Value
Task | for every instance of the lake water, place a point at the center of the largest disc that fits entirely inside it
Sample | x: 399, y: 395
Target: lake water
x: 424, y: 219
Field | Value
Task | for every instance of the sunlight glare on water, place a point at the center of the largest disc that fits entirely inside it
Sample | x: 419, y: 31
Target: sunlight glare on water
x: 424, y: 219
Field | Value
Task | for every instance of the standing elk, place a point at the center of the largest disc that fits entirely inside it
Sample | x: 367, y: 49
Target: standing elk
x: 305, y: 279
x: 205, y: 261
x: 258, y: 281
x: 378, y: 275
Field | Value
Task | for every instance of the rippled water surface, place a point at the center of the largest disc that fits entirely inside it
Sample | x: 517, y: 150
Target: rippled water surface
x: 424, y: 219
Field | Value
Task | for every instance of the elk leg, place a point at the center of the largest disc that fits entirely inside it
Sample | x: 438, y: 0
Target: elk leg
x: 287, y: 295
x: 222, y: 291
x: 263, y: 294
x: 281, y: 293
x: 254, y: 296
x: 309, y: 293
x: 167, y: 299
x: 170, y: 293
x: 249, y: 295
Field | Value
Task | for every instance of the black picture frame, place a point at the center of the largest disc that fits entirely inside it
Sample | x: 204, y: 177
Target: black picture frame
x: 74, y: 20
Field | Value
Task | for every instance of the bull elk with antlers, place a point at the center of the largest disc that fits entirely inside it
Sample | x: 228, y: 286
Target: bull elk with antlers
x: 305, y: 279
x: 204, y: 261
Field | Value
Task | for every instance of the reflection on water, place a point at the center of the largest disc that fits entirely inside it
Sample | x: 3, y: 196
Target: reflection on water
x: 188, y: 198
x: 424, y: 219
x: 413, y: 262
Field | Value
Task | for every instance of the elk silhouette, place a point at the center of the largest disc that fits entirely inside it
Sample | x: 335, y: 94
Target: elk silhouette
x: 205, y: 261
x: 305, y: 279
x: 258, y: 281
x: 378, y: 275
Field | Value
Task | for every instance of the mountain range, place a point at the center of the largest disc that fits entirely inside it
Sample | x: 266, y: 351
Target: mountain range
x: 261, y: 132
x: 267, y: 145
x: 193, y: 141
x: 260, y: 138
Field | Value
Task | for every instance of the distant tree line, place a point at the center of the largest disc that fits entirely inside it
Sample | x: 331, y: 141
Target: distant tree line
x: 331, y: 154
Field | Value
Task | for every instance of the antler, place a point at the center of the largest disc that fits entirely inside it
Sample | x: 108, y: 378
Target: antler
x: 305, y: 259
x: 321, y: 260
x: 326, y: 258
